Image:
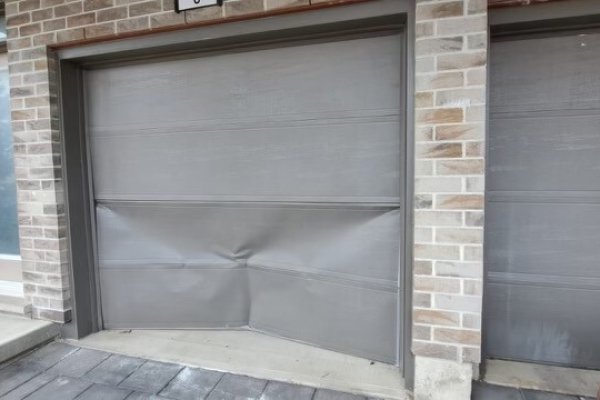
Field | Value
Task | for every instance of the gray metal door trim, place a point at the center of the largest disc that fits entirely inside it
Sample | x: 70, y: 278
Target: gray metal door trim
x: 513, y: 23
x: 359, y: 18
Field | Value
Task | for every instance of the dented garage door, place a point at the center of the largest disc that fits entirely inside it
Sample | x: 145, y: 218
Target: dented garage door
x: 254, y: 189
x: 543, y: 210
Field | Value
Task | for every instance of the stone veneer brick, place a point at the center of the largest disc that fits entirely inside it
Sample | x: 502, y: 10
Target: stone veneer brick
x: 450, y: 80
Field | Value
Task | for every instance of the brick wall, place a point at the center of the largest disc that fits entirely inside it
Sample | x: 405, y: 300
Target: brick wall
x: 451, y: 53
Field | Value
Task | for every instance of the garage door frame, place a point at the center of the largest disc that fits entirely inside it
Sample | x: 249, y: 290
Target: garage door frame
x: 534, y: 21
x: 360, y: 18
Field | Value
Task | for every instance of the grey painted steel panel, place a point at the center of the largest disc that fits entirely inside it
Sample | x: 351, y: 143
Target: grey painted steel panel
x: 543, y: 203
x: 275, y: 123
x: 257, y: 189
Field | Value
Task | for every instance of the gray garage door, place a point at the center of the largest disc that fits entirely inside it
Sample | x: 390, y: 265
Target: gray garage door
x: 543, y: 215
x: 254, y: 189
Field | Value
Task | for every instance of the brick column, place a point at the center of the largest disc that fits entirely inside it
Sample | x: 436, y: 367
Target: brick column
x: 451, y: 57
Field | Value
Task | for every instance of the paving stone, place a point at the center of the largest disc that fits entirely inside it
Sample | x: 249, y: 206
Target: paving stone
x: 61, y: 388
x: 191, y: 384
x: 77, y: 364
x: 28, y: 387
x: 102, y: 392
x: 286, y: 391
x: 536, y: 395
x: 14, y: 375
x: 151, y: 377
x: 114, y: 370
x: 237, y: 387
x: 482, y: 391
x: 47, y: 356
x: 325, y: 394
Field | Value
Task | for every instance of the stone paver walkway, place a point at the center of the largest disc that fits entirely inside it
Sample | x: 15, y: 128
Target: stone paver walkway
x: 483, y: 391
x: 60, y: 371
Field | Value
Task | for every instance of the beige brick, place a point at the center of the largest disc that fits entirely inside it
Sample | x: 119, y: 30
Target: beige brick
x: 437, y: 285
x: 459, y: 132
x: 439, y: 45
x: 471, y: 321
x: 423, y: 235
x: 440, y: 116
x: 438, y: 218
x: 476, y: 77
x: 423, y: 201
x: 424, y: 133
x: 477, y: 6
x: 424, y: 99
x: 458, y: 336
x: 457, y: 302
x: 475, y: 149
x: 133, y: 24
x: 459, y: 269
x: 422, y: 300
x: 54, y: 25
x: 473, y: 287
x: 436, y: 317
x: 423, y: 168
x: 460, y: 97
x: 30, y: 29
x: 274, y: 4
x: 474, y: 218
x: 434, y: 350
x: 459, y: 235
x: 460, y: 202
x: 461, y: 61
x: 439, y: 150
x: 475, y: 184
x: 477, y: 41
x: 422, y: 267
x: 41, y: 15
x: 421, y: 332
x: 166, y: 19
x: 69, y: 35
x: 91, y: 5
x: 460, y: 167
x: 81, y: 19
x: 111, y: 14
x: 98, y: 30
x: 440, y: 80
x: 439, y: 10
x: 461, y: 25
x: 438, y: 184
x: 146, y: 7
x: 17, y: 20
x: 203, y: 14
x: 436, y: 252
x: 68, y: 9
x: 424, y: 29
x: 234, y: 8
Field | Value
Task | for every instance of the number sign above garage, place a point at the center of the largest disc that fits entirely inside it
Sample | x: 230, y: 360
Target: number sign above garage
x: 183, y: 5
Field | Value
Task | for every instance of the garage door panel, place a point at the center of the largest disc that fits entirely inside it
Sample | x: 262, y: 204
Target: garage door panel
x: 533, y: 153
x: 351, y: 318
x: 170, y: 298
x: 556, y: 326
x: 357, y: 242
x: 547, y: 239
x: 542, y: 200
x: 567, y: 62
x: 282, y: 163
x: 285, y: 82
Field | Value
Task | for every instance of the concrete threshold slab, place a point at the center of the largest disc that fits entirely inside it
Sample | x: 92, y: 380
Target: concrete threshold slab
x: 256, y: 355
x: 572, y: 381
x: 19, y: 334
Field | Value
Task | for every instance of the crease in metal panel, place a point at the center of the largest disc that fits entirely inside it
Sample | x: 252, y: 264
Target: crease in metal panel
x: 286, y: 219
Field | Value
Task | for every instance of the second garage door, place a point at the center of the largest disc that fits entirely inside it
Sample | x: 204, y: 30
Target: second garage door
x: 259, y: 188
x: 543, y: 211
